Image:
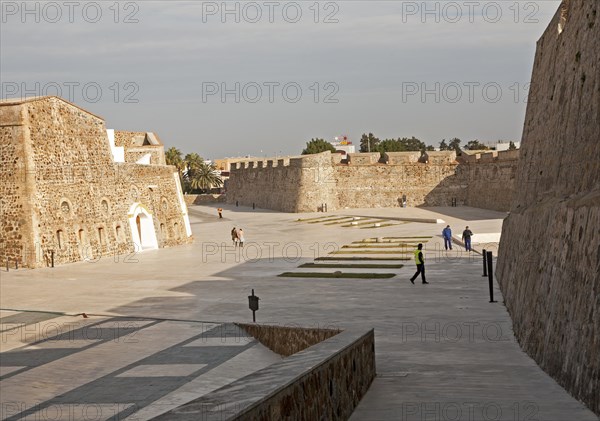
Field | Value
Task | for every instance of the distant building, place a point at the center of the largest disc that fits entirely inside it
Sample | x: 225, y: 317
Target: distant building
x: 503, y: 146
x: 343, y: 144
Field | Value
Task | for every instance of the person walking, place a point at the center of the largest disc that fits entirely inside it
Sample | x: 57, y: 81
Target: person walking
x: 466, y: 238
x: 234, y: 237
x: 420, y: 261
x: 220, y: 210
x: 447, y: 234
x: 240, y: 234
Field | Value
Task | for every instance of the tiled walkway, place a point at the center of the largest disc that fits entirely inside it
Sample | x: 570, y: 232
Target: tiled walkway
x: 443, y: 352
x: 112, y: 368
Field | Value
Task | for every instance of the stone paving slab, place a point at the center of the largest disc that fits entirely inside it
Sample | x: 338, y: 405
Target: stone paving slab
x: 422, y: 362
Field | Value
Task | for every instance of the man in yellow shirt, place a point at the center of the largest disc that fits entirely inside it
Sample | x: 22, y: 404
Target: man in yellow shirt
x: 420, y: 261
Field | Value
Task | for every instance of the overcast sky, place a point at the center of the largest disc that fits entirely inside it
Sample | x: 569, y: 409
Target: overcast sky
x: 432, y: 70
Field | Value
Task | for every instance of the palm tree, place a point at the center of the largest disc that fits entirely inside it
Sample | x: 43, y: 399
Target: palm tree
x: 193, y: 161
x: 205, y: 177
x: 173, y: 157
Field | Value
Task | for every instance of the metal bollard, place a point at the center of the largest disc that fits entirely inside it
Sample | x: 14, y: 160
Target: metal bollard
x: 52, y: 258
x: 253, y: 206
x: 7, y: 263
x: 484, y: 263
x: 16, y: 264
x: 253, y: 304
x: 490, y: 269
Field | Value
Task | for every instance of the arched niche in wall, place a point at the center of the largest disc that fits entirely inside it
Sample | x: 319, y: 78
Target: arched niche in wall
x: 141, y: 224
x: 65, y: 207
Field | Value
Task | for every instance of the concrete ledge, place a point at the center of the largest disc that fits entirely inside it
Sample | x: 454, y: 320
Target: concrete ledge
x: 325, y: 381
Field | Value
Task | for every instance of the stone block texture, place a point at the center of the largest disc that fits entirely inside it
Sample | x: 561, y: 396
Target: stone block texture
x: 61, y: 193
x: 549, y: 255
x: 305, y: 183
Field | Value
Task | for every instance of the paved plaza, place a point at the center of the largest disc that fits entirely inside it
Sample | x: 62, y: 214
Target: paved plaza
x: 158, y: 330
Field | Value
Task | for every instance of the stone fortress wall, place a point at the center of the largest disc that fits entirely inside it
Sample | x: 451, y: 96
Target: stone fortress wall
x: 549, y: 256
x: 62, y: 192
x: 365, y: 180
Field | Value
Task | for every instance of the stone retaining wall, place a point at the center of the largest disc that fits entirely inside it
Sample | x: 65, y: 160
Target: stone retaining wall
x: 323, y: 382
x: 199, y: 199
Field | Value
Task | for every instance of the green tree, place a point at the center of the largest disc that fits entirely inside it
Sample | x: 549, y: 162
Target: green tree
x: 369, y: 143
x: 444, y: 146
x: 193, y: 161
x: 476, y: 145
x: 512, y: 146
x: 205, y: 177
x: 173, y: 157
x: 412, y: 144
x: 389, y: 145
x: 454, y: 144
x: 430, y: 148
x: 317, y: 146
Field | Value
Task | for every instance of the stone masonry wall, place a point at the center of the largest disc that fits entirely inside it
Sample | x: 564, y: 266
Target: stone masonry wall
x: 133, y: 144
x: 549, y: 256
x: 15, y: 228
x: 78, y: 200
x: 323, y: 382
x: 308, y: 182
x: 491, y: 178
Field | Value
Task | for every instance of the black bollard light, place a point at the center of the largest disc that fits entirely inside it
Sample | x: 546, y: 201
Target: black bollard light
x: 484, y: 263
x: 490, y: 268
x: 52, y: 258
x: 7, y: 263
x: 253, y: 304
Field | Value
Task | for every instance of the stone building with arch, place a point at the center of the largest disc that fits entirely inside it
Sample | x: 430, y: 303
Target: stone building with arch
x: 71, y: 190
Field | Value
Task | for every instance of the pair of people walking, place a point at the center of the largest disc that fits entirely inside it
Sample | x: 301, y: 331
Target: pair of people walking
x: 237, y: 236
x: 466, y: 238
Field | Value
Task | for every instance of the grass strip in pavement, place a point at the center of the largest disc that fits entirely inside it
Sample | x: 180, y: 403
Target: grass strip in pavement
x: 339, y: 221
x: 320, y: 218
x: 372, y: 252
x: 331, y: 221
x: 399, y: 238
x: 372, y: 221
x: 383, y: 246
x: 357, y: 258
x: 352, y: 266
x: 380, y: 226
x: 336, y: 275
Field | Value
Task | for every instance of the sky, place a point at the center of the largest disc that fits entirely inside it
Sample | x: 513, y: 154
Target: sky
x: 260, y: 78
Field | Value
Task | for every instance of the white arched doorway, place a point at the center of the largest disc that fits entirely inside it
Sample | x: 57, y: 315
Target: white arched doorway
x: 142, y: 228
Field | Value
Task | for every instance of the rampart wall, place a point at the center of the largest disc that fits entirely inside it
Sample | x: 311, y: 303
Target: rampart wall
x: 549, y: 256
x: 305, y: 183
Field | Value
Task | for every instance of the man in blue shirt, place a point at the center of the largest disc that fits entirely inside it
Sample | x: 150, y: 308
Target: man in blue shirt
x: 447, y: 234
